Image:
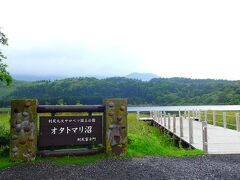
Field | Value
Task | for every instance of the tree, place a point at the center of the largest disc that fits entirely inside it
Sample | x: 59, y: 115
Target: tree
x: 4, y: 74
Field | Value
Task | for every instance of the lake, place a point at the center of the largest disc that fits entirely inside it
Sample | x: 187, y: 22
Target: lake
x: 185, y: 108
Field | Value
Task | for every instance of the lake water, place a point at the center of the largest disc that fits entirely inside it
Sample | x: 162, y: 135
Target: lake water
x: 183, y: 108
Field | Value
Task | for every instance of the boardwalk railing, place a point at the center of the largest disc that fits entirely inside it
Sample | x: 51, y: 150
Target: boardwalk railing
x: 193, y: 127
x: 178, y: 123
x: 228, y: 120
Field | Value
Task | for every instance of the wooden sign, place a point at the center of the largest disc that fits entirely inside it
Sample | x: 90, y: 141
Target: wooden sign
x: 69, y: 130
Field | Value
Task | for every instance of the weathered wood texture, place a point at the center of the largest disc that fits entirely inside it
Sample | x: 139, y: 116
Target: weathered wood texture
x: 69, y: 108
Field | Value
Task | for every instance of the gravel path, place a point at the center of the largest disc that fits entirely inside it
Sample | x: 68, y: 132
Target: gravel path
x: 201, y: 167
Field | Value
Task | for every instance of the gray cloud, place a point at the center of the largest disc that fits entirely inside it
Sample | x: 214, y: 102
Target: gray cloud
x: 70, y: 59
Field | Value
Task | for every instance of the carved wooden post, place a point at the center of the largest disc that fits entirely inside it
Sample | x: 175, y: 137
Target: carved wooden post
x: 224, y: 120
x: 23, y: 131
x: 237, y: 121
x: 181, y: 126
x: 204, y: 137
x: 116, y: 126
x: 214, y: 118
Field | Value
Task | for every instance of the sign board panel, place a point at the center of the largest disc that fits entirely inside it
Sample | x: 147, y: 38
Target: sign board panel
x: 69, y: 130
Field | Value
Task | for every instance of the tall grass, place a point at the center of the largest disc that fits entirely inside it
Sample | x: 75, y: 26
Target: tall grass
x: 4, y: 126
x: 148, y: 140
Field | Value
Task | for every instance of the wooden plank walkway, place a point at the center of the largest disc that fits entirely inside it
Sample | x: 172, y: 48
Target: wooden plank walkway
x: 220, y: 140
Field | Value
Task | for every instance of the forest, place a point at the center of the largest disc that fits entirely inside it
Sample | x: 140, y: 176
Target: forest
x: 157, y: 91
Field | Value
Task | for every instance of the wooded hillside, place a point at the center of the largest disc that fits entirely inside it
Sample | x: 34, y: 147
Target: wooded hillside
x: 158, y: 91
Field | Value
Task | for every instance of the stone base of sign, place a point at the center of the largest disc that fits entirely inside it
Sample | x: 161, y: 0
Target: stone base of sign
x: 23, y: 131
x: 116, y: 126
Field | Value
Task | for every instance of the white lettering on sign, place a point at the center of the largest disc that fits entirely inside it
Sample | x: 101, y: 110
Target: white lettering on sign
x: 62, y: 121
x: 75, y: 130
x: 86, y: 139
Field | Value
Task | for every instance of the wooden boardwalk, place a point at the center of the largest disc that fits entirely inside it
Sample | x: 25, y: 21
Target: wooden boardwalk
x: 219, y: 140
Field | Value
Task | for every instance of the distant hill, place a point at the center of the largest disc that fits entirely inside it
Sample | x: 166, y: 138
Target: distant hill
x: 142, y: 76
x: 157, y: 91
x: 134, y: 75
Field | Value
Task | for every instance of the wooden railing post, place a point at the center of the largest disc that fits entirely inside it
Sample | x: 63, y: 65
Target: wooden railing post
x: 206, y: 116
x: 161, y: 117
x: 174, y: 123
x: 237, y: 122
x: 154, y: 116
x: 190, y: 130
x: 179, y: 113
x: 164, y: 119
x: 214, y: 118
x: 224, y: 120
x: 181, y: 126
x: 204, y: 137
x: 138, y: 114
x: 169, y: 118
x: 199, y: 115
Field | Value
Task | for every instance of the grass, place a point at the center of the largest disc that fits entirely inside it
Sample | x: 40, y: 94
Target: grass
x: 147, y: 140
x: 4, y: 121
x: 144, y: 140
x: 4, y: 127
x: 5, y: 110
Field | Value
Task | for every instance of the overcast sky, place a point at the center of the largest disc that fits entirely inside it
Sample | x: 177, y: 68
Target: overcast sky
x: 184, y: 38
